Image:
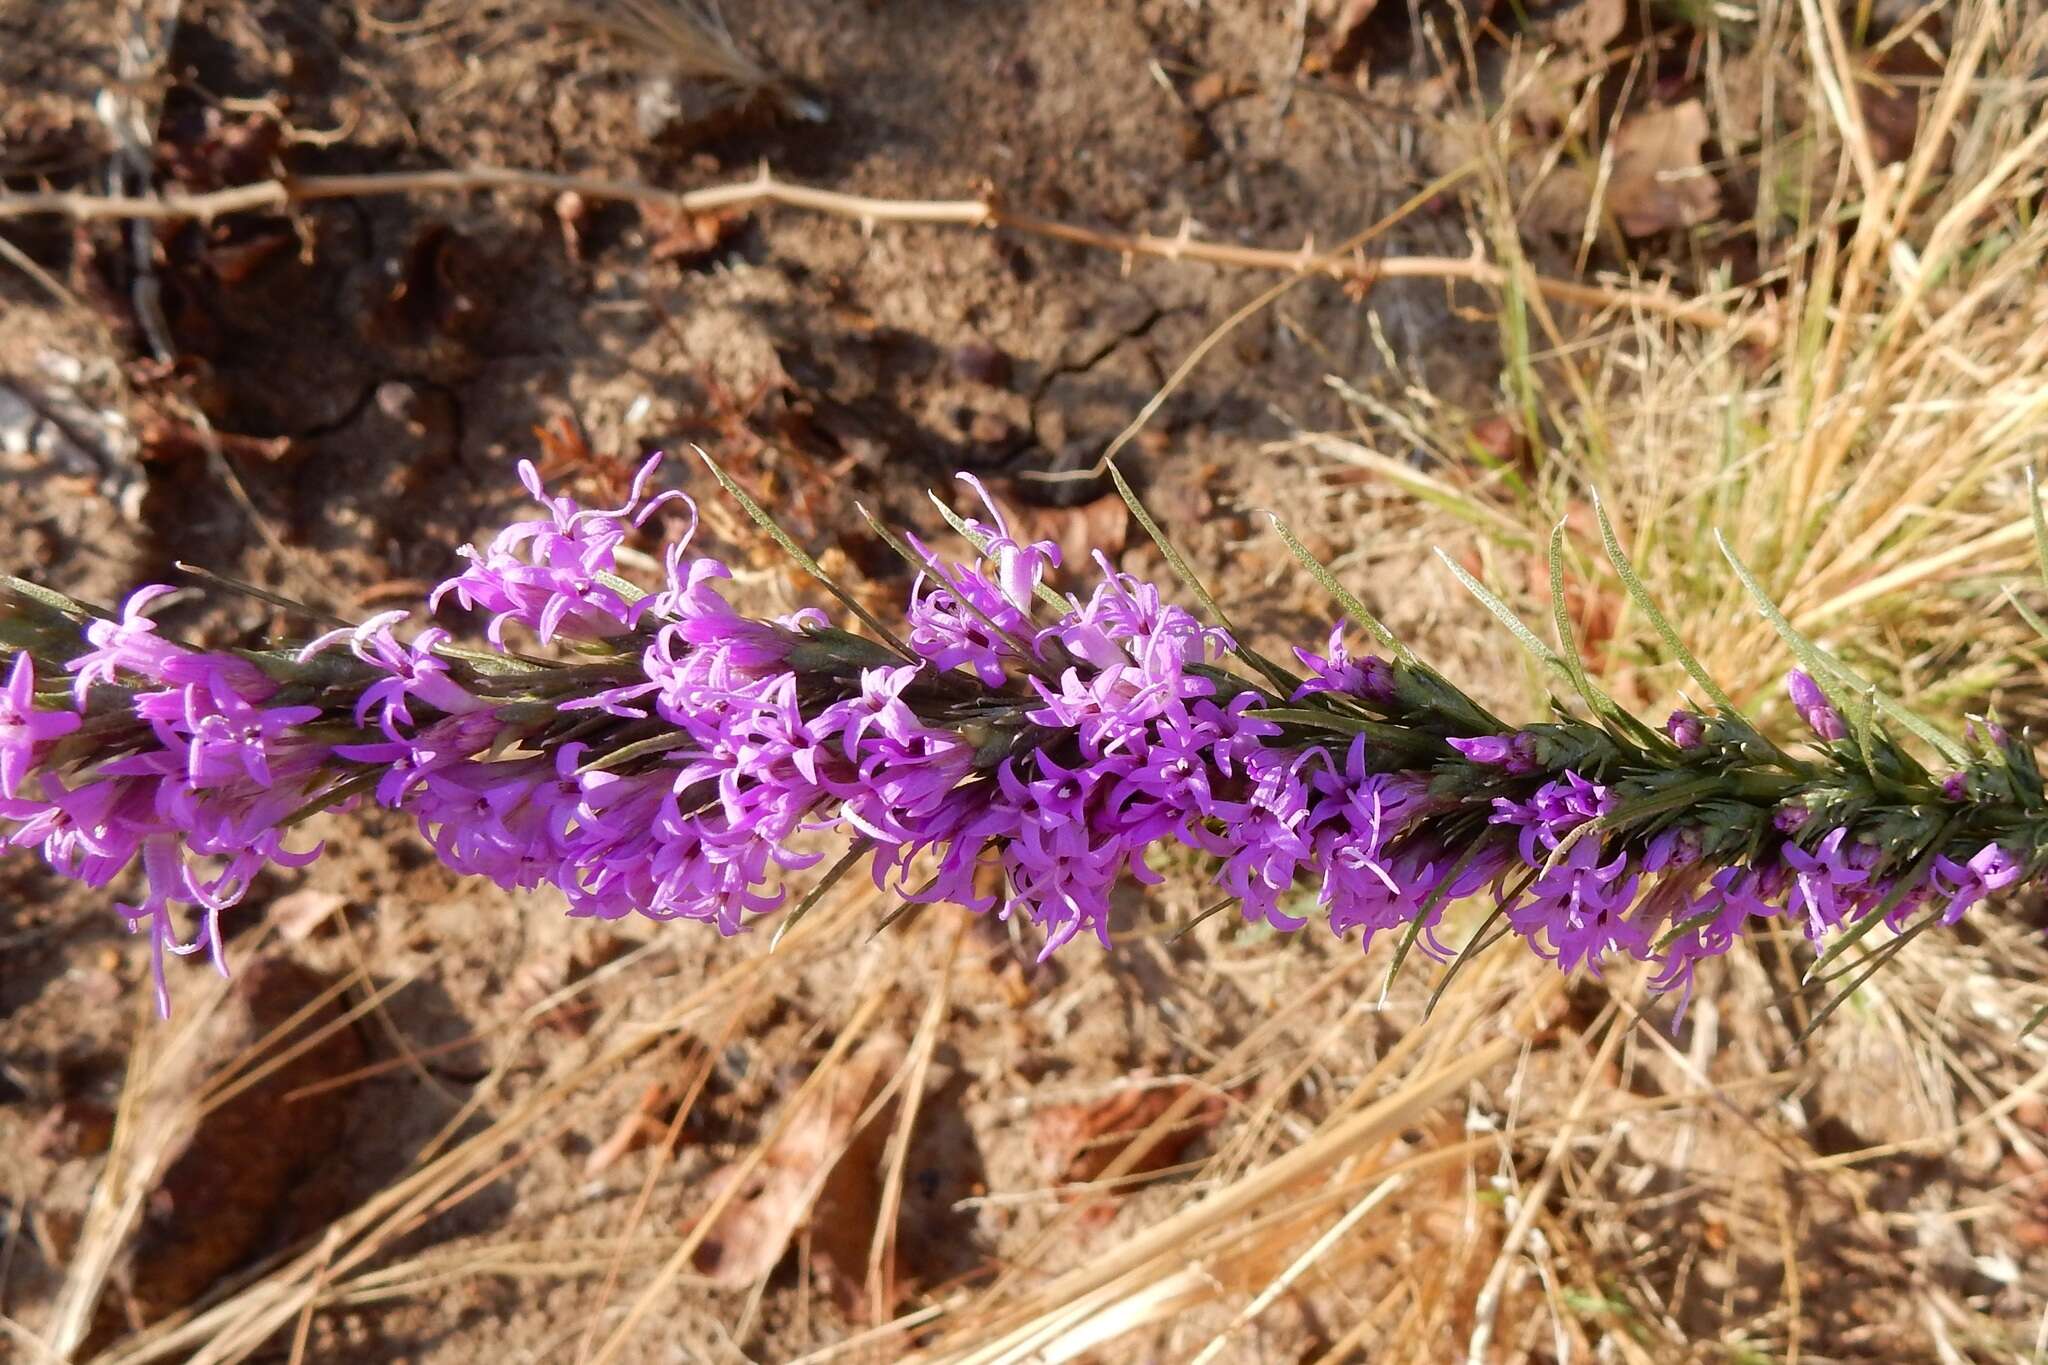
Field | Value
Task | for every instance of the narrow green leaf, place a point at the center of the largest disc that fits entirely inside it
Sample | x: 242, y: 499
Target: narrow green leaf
x: 903, y: 907
x: 1647, y: 605
x: 1218, y: 908
x: 1435, y: 898
x: 2027, y: 614
x: 70, y: 608
x: 1528, y: 638
x: 1476, y: 944
x: 801, y: 556
x: 1383, y: 736
x: 980, y: 543
x: 333, y: 796
x: 832, y: 875
x: 1598, y: 702
x: 895, y: 542
x: 1279, y: 676
x: 2040, y: 524
x: 2039, y: 1017
x: 1902, y: 888
x: 619, y: 757
x: 1824, y: 668
x: 1684, y: 927
x: 1902, y: 715
x: 1354, y: 609
x: 1878, y: 960
x: 1627, y: 813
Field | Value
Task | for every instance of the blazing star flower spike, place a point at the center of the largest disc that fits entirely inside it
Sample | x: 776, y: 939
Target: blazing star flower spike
x: 686, y: 760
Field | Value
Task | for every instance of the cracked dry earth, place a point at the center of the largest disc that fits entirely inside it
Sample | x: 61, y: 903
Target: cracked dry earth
x: 370, y: 370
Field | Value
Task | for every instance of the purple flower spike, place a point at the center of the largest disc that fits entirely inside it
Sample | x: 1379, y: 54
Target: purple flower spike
x: 688, y: 756
x: 1813, y: 707
x: 1516, y: 752
x: 1368, y: 677
x: 23, y: 727
x: 1990, y: 869
x: 1686, y: 728
x: 1821, y: 877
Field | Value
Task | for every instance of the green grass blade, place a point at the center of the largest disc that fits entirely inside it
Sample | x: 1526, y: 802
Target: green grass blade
x: 2040, y: 525
x: 1901, y: 714
x: 1354, y: 609
x: 1422, y: 914
x: 1598, y: 702
x: 1279, y: 676
x: 1824, y: 668
x: 980, y: 543
x: 1505, y: 614
x: 1640, y: 595
x: 1878, y: 960
x: 1902, y: 888
x: 802, y: 557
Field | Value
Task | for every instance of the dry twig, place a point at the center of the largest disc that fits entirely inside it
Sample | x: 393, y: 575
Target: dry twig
x: 984, y: 211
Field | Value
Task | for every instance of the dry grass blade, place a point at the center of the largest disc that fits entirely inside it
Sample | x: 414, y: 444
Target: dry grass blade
x: 239, y: 1325
x: 688, y: 38
x: 1049, y: 1310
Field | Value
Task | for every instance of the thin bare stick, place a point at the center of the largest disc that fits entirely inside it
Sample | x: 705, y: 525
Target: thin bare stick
x: 764, y: 188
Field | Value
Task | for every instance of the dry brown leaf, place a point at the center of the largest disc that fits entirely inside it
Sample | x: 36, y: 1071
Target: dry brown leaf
x: 645, y: 1124
x: 1549, y: 75
x: 1079, y: 1141
x: 1588, y: 26
x: 819, y: 1172
x: 1659, y: 182
x: 298, y: 916
x: 1348, y: 40
x: 688, y: 238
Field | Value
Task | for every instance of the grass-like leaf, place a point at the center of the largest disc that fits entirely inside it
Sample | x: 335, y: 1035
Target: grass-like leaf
x: 1218, y: 908
x: 832, y: 875
x: 1435, y: 898
x: 2040, y: 524
x: 1877, y: 963
x: 1354, y: 609
x: 1640, y: 595
x: 1020, y: 648
x: 1902, y: 888
x: 1599, y: 703
x: 980, y: 543
x: 1824, y: 668
x: 1279, y: 676
x: 802, y: 556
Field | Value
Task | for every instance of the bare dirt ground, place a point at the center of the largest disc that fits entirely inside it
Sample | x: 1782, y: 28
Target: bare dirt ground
x: 333, y: 401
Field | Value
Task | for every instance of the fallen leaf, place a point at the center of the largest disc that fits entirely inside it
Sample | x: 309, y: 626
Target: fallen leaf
x: 1079, y: 1141
x: 259, y: 1169
x: 1588, y: 26
x: 819, y: 1173
x: 1658, y: 181
x: 1349, y: 39
x: 688, y: 238
x: 1550, y: 69
x: 299, y: 915
x: 73, y: 1128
